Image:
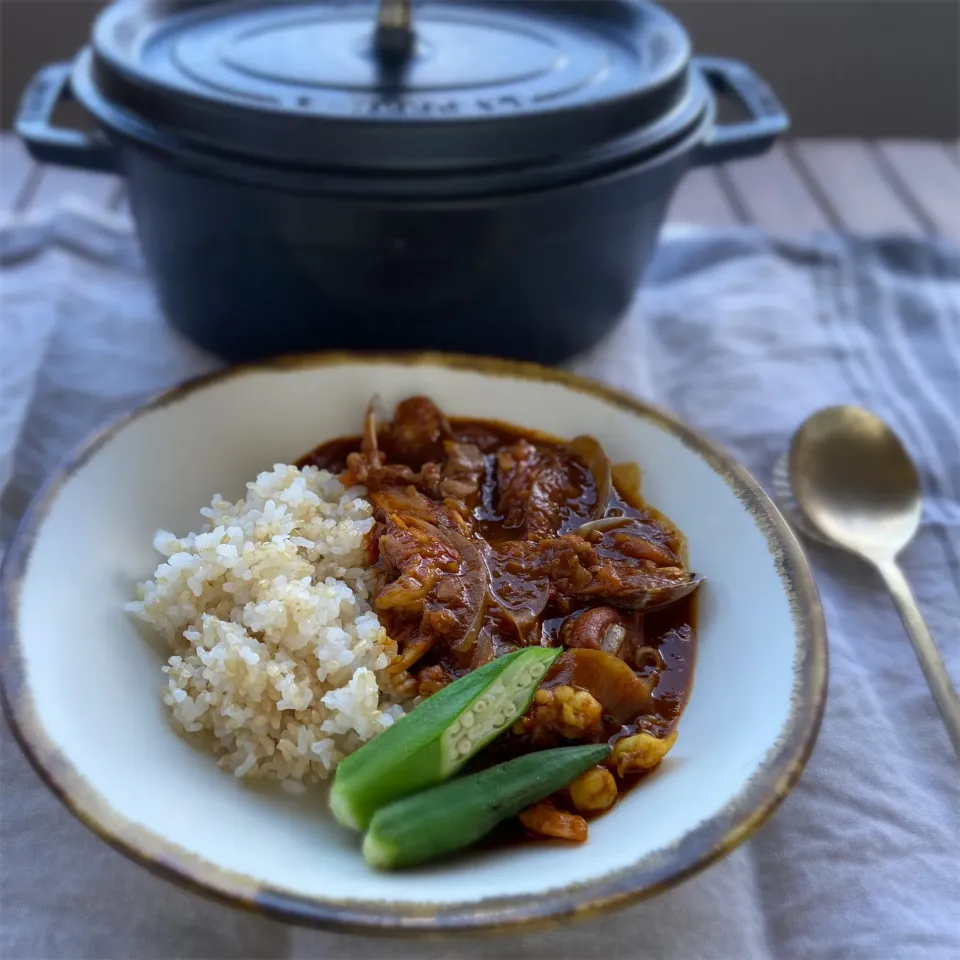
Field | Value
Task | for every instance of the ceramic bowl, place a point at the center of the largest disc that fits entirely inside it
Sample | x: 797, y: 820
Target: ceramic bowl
x: 80, y: 682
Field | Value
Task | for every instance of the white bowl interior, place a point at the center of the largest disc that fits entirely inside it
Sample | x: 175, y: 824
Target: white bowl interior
x: 94, y: 679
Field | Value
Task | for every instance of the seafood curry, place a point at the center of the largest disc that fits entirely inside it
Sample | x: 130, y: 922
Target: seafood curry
x: 491, y: 538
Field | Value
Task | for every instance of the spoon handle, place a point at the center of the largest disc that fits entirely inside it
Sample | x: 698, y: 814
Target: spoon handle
x: 944, y: 693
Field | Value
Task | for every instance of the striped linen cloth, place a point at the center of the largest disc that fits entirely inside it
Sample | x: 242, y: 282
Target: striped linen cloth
x: 741, y: 335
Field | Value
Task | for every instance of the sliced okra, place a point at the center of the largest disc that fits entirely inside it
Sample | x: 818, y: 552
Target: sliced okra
x: 438, y: 737
x: 456, y: 814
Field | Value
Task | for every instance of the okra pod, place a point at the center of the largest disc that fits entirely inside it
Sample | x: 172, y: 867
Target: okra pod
x: 457, y: 814
x: 436, y: 739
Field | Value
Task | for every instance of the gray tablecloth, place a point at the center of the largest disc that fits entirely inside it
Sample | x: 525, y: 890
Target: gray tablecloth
x: 741, y: 335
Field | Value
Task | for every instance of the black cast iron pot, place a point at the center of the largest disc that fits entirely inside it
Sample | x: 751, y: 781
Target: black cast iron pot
x: 487, y: 177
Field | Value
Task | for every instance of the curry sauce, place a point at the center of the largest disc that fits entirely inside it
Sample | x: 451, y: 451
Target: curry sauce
x: 490, y: 537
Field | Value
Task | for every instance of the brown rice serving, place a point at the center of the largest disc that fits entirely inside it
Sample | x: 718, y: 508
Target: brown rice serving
x: 278, y: 657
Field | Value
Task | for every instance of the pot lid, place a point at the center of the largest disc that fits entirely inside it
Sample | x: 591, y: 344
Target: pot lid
x: 442, y: 85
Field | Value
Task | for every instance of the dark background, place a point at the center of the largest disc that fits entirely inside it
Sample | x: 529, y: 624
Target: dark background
x: 857, y: 68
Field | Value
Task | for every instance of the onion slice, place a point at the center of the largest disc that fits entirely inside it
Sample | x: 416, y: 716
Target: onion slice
x: 589, y: 452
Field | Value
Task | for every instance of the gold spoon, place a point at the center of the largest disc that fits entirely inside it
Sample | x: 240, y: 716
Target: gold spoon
x: 857, y: 488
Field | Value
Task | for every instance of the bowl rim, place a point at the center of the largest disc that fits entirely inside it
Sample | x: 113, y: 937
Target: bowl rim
x: 654, y: 873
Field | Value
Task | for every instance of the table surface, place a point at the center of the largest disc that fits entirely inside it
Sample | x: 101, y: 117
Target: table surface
x: 800, y: 186
x: 825, y: 878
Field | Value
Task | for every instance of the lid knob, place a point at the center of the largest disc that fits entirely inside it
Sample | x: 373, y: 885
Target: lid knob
x: 394, y: 37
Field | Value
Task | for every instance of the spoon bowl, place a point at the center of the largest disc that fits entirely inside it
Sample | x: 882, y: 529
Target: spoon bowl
x: 855, y: 482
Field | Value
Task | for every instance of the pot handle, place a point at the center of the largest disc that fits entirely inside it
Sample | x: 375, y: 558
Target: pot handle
x: 768, y: 119
x: 60, y: 145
